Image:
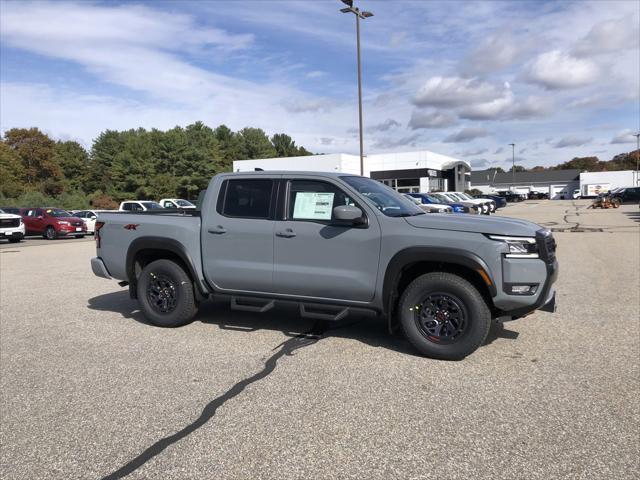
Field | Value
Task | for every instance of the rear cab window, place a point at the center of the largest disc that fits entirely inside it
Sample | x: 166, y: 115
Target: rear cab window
x: 247, y: 198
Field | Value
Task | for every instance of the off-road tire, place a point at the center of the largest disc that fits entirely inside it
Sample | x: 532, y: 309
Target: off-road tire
x: 477, y: 315
x: 181, y: 291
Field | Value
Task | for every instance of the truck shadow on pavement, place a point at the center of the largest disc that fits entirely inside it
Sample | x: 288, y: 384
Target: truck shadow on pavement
x: 368, y: 329
x: 285, y: 318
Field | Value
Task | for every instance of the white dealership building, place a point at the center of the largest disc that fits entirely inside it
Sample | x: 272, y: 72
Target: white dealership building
x: 420, y: 171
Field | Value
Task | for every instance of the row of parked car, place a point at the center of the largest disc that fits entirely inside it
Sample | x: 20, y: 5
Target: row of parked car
x: 52, y: 223
x: 457, y: 202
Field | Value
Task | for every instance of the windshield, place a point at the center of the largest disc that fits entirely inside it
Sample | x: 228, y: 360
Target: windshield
x: 454, y: 197
x: 56, y: 212
x: 434, y: 199
x: 151, y: 205
x: 184, y: 203
x: 464, y: 196
x: 384, y: 198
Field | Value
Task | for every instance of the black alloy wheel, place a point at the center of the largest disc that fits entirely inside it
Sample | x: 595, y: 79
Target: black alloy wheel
x: 441, y: 318
x: 162, y: 293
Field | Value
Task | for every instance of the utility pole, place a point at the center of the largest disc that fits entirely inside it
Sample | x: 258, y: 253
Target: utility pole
x: 359, y: 15
x: 637, y: 135
x: 513, y: 169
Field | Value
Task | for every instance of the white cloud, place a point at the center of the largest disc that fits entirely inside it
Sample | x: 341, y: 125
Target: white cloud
x: 474, y: 152
x: 572, y: 141
x: 433, y: 119
x: 626, y: 136
x: 388, y: 124
x: 316, y: 74
x: 609, y: 36
x: 466, y: 135
x: 455, y: 92
x: 493, y: 54
x: 557, y: 70
x: 387, y: 143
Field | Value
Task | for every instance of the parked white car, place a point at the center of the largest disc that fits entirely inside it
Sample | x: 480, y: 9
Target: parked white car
x: 176, y: 203
x: 89, y: 218
x: 11, y: 227
x: 139, y: 206
x: 488, y: 205
x: 430, y: 207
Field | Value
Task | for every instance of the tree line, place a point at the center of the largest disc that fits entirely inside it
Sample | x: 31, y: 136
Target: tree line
x: 120, y: 165
x: 623, y: 161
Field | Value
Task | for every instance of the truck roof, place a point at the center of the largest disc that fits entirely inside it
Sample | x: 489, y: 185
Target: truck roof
x: 293, y: 172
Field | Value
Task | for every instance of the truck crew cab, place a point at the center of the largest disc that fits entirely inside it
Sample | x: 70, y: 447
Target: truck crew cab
x: 334, y: 244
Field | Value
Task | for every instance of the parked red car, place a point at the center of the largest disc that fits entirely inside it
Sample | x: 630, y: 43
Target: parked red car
x: 52, y: 223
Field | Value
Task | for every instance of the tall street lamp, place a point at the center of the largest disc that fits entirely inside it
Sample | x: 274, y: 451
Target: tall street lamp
x: 513, y: 169
x: 359, y: 15
x: 637, y: 135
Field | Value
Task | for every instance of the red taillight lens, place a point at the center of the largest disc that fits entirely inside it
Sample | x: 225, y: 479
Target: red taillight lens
x: 99, y: 225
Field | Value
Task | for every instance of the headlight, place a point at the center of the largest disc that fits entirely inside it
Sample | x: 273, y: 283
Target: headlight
x: 519, y: 247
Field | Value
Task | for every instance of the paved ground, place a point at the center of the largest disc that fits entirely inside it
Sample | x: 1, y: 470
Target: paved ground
x: 89, y: 390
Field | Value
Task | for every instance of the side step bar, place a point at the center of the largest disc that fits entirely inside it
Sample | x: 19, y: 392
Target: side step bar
x: 323, y: 312
x: 248, y: 304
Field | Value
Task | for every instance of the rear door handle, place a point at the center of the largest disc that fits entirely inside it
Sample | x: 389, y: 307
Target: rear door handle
x: 288, y: 233
x: 217, y: 230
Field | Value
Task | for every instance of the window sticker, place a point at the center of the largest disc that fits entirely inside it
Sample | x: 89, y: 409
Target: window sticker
x: 313, y: 205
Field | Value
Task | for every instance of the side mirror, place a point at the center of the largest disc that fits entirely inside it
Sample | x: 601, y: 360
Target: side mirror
x: 93, y: 217
x: 348, y: 214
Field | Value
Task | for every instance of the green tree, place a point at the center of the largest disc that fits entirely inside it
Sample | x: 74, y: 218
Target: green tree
x: 74, y: 162
x: 284, y: 145
x: 256, y: 144
x: 12, y: 184
x: 36, y: 153
x: 230, y: 143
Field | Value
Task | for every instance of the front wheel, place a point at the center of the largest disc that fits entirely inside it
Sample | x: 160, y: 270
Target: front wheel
x: 50, y: 233
x: 165, y: 294
x: 79, y: 236
x: 14, y: 240
x: 444, y: 316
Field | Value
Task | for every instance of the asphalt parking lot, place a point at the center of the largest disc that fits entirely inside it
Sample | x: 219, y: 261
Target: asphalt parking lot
x: 90, y: 390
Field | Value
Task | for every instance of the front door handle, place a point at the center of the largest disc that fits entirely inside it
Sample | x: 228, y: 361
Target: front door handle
x: 288, y: 233
x: 217, y: 230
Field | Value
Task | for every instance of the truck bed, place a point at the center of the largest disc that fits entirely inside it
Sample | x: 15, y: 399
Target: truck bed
x: 121, y: 229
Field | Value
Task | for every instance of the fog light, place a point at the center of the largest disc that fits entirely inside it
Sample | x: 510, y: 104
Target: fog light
x: 524, y: 289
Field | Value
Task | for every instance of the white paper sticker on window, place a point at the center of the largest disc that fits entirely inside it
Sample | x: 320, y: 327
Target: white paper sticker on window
x: 313, y: 206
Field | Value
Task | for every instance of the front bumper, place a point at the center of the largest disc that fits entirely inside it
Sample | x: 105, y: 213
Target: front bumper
x: 12, y: 233
x: 68, y: 233
x: 99, y: 268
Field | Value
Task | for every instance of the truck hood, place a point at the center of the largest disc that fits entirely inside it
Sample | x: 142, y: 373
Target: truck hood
x: 7, y: 216
x: 476, y: 224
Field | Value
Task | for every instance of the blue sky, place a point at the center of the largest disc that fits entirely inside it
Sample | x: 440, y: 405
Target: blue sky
x: 560, y: 79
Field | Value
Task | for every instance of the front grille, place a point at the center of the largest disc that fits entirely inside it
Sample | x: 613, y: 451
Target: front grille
x: 9, y: 222
x: 546, y: 245
x: 76, y: 224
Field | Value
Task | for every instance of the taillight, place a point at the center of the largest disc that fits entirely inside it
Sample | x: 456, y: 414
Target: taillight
x: 96, y: 233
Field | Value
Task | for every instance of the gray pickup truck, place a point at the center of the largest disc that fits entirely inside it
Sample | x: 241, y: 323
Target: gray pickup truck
x: 334, y: 244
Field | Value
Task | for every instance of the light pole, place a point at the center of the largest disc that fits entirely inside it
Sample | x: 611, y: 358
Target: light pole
x: 359, y: 15
x: 637, y: 135
x: 513, y: 169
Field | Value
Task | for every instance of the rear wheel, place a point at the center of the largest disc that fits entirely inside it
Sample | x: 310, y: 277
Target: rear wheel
x: 165, y: 294
x: 50, y: 233
x: 444, y: 316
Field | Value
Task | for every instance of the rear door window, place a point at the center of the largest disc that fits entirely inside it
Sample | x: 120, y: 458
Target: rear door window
x: 247, y: 198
